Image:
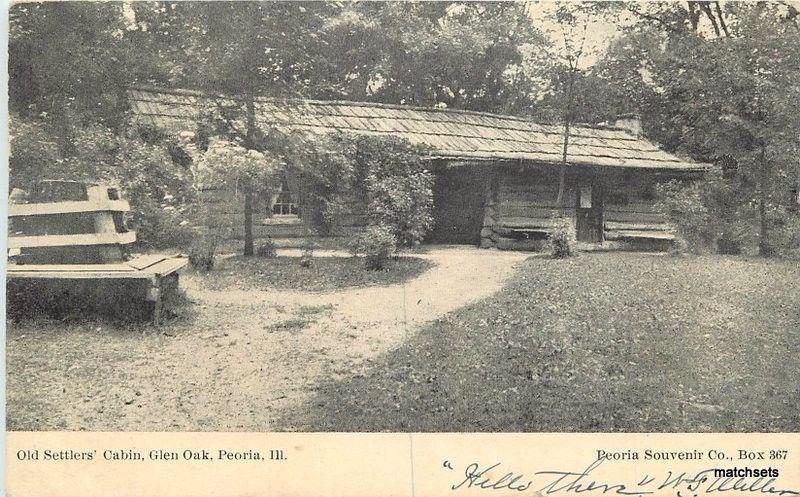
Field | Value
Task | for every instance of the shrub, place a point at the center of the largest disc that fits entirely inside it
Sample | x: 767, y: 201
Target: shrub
x: 561, y: 239
x: 307, y: 259
x: 160, y: 227
x: 403, y: 204
x: 678, y: 247
x: 397, y: 186
x: 377, y: 243
x: 267, y: 249
x: 684, y: 206
x: 202, y: 255
x: 717, y: 213
x: 387, y: 175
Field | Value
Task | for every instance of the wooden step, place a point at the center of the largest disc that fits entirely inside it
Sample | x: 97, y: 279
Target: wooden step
x: 633, y: 234
x: 50, y: 208
x: 615, y: 225
x: 71, y: 240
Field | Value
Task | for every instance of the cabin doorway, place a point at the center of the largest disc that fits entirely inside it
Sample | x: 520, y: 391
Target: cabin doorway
x: 458, y: 205
x: 589, y: 214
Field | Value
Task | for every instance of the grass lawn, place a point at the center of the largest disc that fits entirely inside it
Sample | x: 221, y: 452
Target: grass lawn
x: 602, y: 342
x: 326, y: 273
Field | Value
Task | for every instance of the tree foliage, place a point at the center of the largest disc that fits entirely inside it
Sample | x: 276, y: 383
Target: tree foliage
x: 712, y: 80
x: 229, y: 165
x: 459, y: 55
x: 159, y: 188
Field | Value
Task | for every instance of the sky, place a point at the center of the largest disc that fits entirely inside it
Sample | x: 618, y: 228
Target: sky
x: 599, y: 32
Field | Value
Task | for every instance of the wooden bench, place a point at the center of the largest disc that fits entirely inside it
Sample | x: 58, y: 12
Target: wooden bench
x: 73, y: 231
x: 157, y: 272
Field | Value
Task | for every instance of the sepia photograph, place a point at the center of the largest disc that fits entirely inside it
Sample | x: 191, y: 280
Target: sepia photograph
x: 363, y: 216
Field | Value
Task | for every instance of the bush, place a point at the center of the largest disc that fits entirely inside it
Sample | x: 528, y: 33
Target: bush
x: 267, y: 249
x: 202, y: 255
x: 685, y: 208
x: 403, y: 204
x: 307, y: 259
x: 678, y: 247
x: 386, y: 175
x: 719, y: 214
x: 376, y: 244
x: 561, y: 239
x: 159, y: 227
x: 397, y: 186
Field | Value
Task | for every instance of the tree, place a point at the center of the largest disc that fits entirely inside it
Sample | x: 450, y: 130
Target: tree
x: 240, y: 49
x: 572, y: 52
x: 457, y: 55
x: 726, y: 94
x: 67, y: 64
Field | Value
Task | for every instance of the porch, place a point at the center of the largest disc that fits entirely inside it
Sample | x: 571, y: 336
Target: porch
x: 515, y: 206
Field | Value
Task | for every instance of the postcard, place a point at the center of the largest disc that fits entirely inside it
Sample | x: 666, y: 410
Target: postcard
x: 362, y: 248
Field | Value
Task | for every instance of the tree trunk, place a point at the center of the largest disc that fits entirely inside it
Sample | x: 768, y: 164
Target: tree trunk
x: 248, y: 223
x: 248, y: 192
x: 562, y: 174
x: 764, y: 248
x: 567, y: 121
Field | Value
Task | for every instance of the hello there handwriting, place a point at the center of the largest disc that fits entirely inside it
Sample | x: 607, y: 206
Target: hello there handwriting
x: 493, y: 476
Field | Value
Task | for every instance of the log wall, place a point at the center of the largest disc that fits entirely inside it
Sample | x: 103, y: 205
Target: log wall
x: 224, y: 216
x: 630, y: 211
x: 521, y: 207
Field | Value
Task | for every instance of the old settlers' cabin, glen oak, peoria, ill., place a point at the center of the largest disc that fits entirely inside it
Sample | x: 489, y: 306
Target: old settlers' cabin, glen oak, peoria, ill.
x: 496, y: 177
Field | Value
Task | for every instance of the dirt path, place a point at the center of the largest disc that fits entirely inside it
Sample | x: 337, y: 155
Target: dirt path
x: 270, y: 373
x: 247, y: 359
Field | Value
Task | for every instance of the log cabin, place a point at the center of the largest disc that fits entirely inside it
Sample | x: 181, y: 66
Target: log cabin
x: 496, y: 176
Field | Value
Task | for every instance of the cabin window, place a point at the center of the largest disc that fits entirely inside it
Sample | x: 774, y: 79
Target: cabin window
x: 285, y: 203
x: 586, y: 197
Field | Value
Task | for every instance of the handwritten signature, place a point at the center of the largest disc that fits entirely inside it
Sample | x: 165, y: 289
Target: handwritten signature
x: 556, y: 481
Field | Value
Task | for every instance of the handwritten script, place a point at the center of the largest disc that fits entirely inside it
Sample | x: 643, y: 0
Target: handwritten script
x: 559, y: 482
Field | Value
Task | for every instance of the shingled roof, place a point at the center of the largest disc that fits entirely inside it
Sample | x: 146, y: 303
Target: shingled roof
x: 451, y: 134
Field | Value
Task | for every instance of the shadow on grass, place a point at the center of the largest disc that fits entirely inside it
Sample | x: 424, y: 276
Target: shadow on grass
x: 617, y: 343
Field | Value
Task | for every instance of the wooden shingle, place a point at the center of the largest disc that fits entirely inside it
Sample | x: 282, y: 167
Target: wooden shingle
x: 449, y: 133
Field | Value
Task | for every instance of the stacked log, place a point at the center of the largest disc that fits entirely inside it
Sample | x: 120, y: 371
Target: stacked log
x: 67, y: 222
x: 68, y: 252
x: 521, y: 211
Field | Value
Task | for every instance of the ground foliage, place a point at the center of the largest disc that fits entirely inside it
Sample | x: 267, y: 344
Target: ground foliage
x: 561, y: 239
x: 603, y: 342
x: 324, y: 275
x: 376, y: 244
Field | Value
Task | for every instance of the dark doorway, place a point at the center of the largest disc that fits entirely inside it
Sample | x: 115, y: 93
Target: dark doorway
x: 458, y: 202
x: 589, y: 213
